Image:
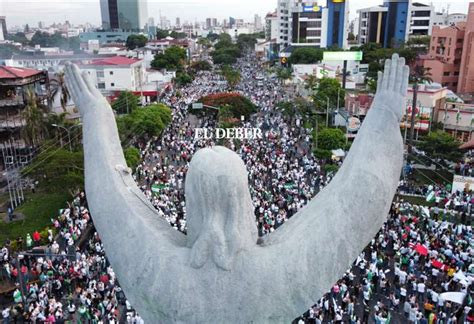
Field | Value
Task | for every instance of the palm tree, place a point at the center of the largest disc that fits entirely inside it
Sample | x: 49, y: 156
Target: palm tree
x: 35, y: 126
x: 419, y: 74
x: 60, y: 86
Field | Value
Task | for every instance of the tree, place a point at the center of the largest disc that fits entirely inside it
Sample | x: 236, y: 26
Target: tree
x: 177, y: 35
x: 161, y: 33
x: 439, y: 144
x: 419, y: 74
x: 59, y: 84
x: 17, y: 38
x: 306, y: 55
x: 126, y: 103
x: 55, y: 40
x: 311, y: 82
x: 284, y: 74
x: 204, y: 42
x: 331, y: 139
x: 201, y: 66
x: 182, y: 78
x: 232, y: 76
x: 132, y: 156
x: 331, y: 89
x: 143, y: 122
x: 240, y: 105
x: 212, y: 37
x: 135, y: 41
x: 58, y: 169
x: 172, y: 59
x: 35, y: 126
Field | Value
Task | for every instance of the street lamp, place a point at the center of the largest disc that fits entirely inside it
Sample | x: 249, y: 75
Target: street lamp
x: 68, y: 131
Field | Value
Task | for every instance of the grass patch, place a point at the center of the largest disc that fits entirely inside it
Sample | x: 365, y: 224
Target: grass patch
x: 414, y: 200
x: 429, y: 177
x: 38, y: 209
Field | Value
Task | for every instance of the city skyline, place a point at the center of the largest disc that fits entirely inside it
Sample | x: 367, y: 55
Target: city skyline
x: 54, y: 11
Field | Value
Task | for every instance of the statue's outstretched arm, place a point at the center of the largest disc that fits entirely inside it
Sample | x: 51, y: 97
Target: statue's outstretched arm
x: 134, y: 236
x: 322, y: 240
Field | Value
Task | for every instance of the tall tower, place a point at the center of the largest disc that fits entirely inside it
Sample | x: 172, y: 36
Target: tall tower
x: 127, y: 15
x: 337, y: 23
x: 396, y: 23
x: 3, y: 28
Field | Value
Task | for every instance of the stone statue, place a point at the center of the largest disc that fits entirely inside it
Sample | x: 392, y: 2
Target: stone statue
x: 217, y: 273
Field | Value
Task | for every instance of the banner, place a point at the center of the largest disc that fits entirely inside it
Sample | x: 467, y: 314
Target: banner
x: 461, y: 183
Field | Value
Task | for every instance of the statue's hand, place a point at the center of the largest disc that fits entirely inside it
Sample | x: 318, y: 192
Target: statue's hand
x: 83, y: 91
x: 392, y: 86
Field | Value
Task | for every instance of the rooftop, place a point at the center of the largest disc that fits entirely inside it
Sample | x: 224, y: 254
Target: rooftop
x: 115, y: 60
x: 8, y: 72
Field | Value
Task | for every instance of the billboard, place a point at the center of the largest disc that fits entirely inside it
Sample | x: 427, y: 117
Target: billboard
x: 343, y: 56
x: 461, y: 183
x: 312, y: 8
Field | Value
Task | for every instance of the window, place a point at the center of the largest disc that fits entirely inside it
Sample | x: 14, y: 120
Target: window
x: 456, y: 73
x: 312, y: 24
x: 446, y: 74
x: 101, y: 85
x: 100, y: 74
x: 112, y: 84
x: 313, y: 33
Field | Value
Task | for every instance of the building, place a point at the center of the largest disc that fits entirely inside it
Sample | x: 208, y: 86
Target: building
x: 14, y: 86
x: 211, y: 23
x: 257, y: 21
x: 443, y: 19
x: 450, y: 58
x: 444, y: 56
x: 178, y: 22
x: 394, y: 22
x: 105, y: 37
x: 358, y: 104
x: 466, y: 72
x: 50, y: 63
x: 126, y: 15
x: 458, y: 120
x: 116, y: 73
x: 3, y: 28
x: 271, y: 26
x: 310, y: 23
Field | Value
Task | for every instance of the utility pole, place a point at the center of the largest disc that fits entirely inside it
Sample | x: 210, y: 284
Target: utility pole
x: 327, y: 112
x: 413, y: 115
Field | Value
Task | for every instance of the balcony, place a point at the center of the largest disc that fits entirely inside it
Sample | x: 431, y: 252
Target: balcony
x: 11, y: 102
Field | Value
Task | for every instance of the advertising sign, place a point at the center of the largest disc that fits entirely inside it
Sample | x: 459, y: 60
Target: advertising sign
x: 461, y: 183
x: 353, y: 124
x: 312, y: 8
x: 343, y: 56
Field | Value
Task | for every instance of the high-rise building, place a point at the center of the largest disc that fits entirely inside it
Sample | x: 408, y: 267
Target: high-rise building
x: 126, y: 15
x: 211, y: 23
x: 178, y: 22
x: 450, y: 58
x: 3, y: 28
x: 271, y: 26
x: 338, y: 19
x: 394, y: 22
x: 466, y: 72
x: 257, y: 21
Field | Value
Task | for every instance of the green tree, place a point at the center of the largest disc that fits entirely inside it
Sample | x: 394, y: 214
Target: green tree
x: 284, y: 74
x: 132, y: 156
x: 35, y: 126
x: 161, y: 33
x: 58, y: 169
x: 143, y: 122
x: 331, y: 89
x: 306, y: 55
x: 177, y: 35
x: 126, y: 103
x: 201, y: 66
x: 59, y: 86
x: 204, y: 42
x: 173, y: 58
x: 418, y: 74
x: 232, y: 76
x: 311, y: 82
x: 182, y: 78
x: 135, y: 41
x: 331, y: 139
x: 17, y: 38
x: 212, y: 37
x: 439, y: 144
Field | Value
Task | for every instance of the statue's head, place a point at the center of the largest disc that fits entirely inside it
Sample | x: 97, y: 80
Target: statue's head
x: 220, y: 214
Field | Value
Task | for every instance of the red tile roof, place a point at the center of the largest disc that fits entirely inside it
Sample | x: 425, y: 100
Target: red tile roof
x: 115, y: 60
x: 8, y: 72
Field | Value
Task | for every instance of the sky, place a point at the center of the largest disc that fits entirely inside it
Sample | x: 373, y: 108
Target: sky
x: 21, y: 12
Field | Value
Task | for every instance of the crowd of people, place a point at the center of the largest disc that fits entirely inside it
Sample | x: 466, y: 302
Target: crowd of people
x: 400, y: 277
